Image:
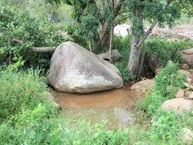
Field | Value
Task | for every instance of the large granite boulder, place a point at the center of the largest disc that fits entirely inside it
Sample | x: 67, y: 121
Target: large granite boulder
x: 74, y: 69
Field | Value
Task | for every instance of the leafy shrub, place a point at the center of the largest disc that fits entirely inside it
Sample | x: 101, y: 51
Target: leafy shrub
x: 123, y: 46
x: 74, y: 32
x: 28, y: 118
x: 19, y: 32
x: 21, y: 90
x: 167, y: 50
x: 169, y: 80
x: 167, y: 83
x: 34, y: 127
x: 127, y: 77
x: 166, y: 125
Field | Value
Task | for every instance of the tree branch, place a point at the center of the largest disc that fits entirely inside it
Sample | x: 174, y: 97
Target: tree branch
x: 118, y: 7
x: 17, y: 41
x: 147, y: 34
x: 151, y: 28
x: 43, y: 49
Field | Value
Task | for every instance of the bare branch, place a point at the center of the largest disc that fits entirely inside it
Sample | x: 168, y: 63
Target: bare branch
x: 17, y: 41
x: 43, y: 49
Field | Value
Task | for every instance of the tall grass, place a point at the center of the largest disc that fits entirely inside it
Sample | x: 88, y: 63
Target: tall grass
x: 20, y: 91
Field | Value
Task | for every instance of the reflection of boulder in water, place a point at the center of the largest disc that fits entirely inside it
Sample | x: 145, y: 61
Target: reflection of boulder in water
x: 122, y: 115
x: 76, y: 70
x: 109, y: 106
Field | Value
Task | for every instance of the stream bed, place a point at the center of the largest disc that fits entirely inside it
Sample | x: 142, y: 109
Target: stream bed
x: 112, y: 107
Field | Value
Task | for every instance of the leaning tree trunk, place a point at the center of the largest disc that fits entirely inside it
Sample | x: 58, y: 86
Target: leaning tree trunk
x: 111, y: 35
x: 133, y: 64
x: 142, y: 60
x: 105, y: 39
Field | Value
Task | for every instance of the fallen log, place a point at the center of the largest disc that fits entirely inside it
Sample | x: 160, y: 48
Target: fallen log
x: 43, y: 49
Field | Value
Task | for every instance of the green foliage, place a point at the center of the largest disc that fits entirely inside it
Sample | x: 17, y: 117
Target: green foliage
x: 127, y: 77
x: 123, y: 46
x: 169, y: 80
x: 34, y: 127
x: 93, y: 19
x: 20, y: 91
x: 164, y: 12
x: 27, y: 117
x: 89, y: 26
x: 74, y: 32
x: 31, y: 127
x: 167, y: 83
x: 166, y: 51
x: 166, y: 126
x: 30, y: 32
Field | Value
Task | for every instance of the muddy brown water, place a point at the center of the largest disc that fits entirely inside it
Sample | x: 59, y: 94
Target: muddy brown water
x: 112, y: 107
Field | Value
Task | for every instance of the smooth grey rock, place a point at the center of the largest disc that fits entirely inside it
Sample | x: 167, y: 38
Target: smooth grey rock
x: 115, y: 55
x: 187, y: 56
x: 74, y: 69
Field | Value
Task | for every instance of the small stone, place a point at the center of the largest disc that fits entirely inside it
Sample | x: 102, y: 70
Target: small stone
x: 188, y: 80
x: 191, y: 95
x: 185, y: 72
x: 180, y: 93
x: 185, y: 66
x: 188, y: 86
x: 187, y: 93
x: 187, y: 56
x: 186, y: 135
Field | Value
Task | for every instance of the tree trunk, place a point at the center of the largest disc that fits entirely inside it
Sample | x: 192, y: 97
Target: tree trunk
x: 142, y: 60
x: 111, y: 35
x: 111, y: 44
x: 133, y: 65
x: 105, y: 39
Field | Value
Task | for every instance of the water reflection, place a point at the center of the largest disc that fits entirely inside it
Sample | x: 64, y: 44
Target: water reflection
x: 112, y: 107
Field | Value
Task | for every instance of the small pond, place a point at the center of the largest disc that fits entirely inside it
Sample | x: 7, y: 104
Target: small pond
x: 113, y: 107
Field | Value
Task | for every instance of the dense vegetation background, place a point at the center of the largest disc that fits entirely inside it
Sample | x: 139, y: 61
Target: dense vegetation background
x: 28, y: 117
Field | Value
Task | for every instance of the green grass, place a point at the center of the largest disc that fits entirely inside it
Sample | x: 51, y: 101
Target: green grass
x: 27, y: 117
x: 20, y: 91
x: 165, y: 127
